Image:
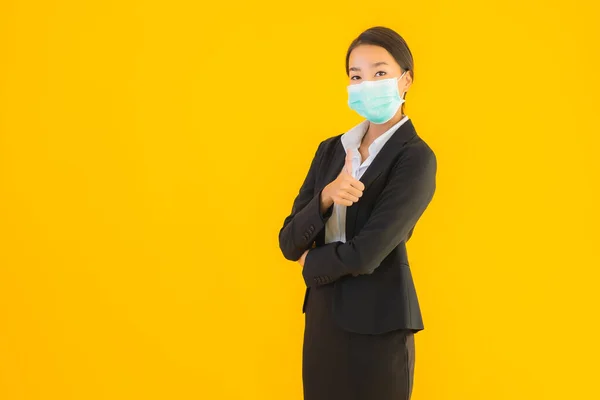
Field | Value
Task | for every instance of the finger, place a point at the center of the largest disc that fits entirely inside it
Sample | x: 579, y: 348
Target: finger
x: 357, y: 184
x: 341, y: 201
x: 349, y: 196
x: 348, y: 162
x: 353, y: 182
x: 354, y: 191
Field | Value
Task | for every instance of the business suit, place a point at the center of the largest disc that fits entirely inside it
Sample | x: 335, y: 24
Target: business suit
x: 363, y: 288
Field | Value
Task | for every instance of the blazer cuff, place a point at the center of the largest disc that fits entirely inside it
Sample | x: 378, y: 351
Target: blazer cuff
x: 321, y: 265
x: 309, y: 222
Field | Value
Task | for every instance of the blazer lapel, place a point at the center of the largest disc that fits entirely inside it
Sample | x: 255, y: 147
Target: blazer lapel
x: 334, y: 167
x: 380, y: 163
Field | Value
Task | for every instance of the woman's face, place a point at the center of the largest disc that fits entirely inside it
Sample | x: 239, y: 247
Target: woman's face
x: 370, y: 62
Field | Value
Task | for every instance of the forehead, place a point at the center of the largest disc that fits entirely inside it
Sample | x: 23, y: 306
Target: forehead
x: 364, y: 55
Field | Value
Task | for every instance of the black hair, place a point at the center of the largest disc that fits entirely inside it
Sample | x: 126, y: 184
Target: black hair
x: 389, y: 40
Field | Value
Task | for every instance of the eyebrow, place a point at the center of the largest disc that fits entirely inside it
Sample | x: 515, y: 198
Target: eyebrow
x: 377, y: 64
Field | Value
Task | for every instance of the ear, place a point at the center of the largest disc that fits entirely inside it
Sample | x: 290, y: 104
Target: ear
x: 407, y: 81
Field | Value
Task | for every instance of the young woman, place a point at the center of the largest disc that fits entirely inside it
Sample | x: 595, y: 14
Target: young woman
x: 356, y: 209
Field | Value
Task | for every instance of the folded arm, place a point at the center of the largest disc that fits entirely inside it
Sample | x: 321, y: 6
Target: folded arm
x: 306, y: 219
x: 408, y: 192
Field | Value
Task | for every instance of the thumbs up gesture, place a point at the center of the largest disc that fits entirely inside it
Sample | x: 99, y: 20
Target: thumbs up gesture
x: 345, y: 189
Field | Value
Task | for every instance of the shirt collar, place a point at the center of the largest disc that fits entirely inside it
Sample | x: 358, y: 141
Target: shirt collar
x: 352, y: 138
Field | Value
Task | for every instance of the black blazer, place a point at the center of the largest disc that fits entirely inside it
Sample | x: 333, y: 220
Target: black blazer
x: 374, y: 289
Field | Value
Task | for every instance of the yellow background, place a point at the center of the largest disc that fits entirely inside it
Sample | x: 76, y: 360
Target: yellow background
x: 149, y: 152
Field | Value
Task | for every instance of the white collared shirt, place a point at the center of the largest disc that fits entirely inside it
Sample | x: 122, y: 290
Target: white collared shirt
x: 335, y: 228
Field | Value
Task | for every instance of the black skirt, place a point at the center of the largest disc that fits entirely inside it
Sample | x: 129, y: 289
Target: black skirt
x: 337, y: 364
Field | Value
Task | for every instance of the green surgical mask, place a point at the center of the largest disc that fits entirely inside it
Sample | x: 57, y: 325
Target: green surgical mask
x: 378, y: 101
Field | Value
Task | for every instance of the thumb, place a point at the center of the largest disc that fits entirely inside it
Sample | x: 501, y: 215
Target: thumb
x: 348, y: 162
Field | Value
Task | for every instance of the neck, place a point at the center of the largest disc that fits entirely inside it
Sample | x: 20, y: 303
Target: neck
x: 376, y: 130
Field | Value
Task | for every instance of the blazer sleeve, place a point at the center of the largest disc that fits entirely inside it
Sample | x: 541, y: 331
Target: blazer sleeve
x: 410, y: 188
x: 305, y: 221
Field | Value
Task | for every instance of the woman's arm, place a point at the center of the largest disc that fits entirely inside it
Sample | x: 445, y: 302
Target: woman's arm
x: 308, y: 216
x: 405, y: 197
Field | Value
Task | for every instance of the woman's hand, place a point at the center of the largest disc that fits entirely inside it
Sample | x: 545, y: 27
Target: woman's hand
x: 345, y: 189
x: 302, y: 257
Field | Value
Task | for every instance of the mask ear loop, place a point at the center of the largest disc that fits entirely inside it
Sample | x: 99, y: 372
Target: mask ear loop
x: 398, y: 79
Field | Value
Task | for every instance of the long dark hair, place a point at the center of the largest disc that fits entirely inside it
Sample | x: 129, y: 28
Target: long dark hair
x: 392, y: 42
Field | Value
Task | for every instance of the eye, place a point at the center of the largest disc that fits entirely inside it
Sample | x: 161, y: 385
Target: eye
x: 354, y: 76
x: 380, y: 72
